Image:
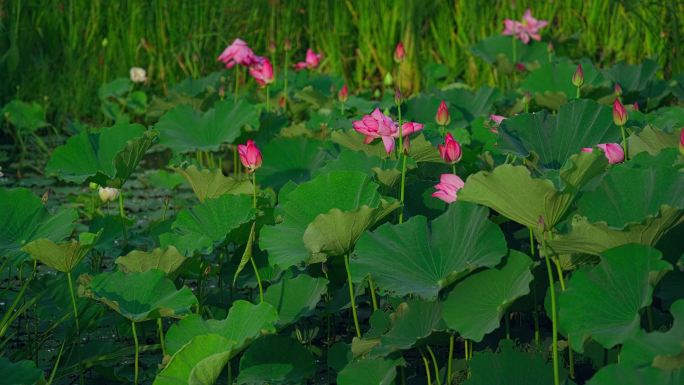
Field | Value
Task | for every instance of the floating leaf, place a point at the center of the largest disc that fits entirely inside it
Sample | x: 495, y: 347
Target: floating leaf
x: 210, y: 184
x: 167, y: 260
x: 139, y: 296
x: 24, y: 219
x: 473, y: 316
x: 264, y: 362
x: 199, y: 362
x: 603, y: 303
x: 295, y: 297
x: 184, y: 129
x: 651, y: 140
x: 555, y: 79
x: 207, y: 224
x: 411, y: 258
x: 64, y: 256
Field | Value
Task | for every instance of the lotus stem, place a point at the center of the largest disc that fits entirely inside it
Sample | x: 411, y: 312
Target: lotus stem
x: 73, y: 302
x: 237, y: 83
x: 160, y: 328
x: 122, y: 214
x: 352, y: 296
x: 254, y: 190
x: 554, y: 321
x: 258, y: 277
x: 137, y: 352
x: 451, y: 358
x: 371, y: 287
x: 54, y: 368
x: 571, y: 358
x: 287, y: 59
x: 577, y: 95
x: 434, y: 365
x: 268, y: 99
x: 235, y: 161
x: 624, y: 141
x: 453, y: 168
x: 427, y: 368
x: 403, y: 165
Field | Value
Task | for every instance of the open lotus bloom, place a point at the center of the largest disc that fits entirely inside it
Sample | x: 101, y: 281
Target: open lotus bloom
x: 108, y: 194
x: 312, y: 60
x: 250, y: 155
x: 238, y: 52
x: 138, y: 75
x: 526, y: 29
x: 447, y: 188
x: 262, y: 71
x: 379, y: 125
x: 613, y: 152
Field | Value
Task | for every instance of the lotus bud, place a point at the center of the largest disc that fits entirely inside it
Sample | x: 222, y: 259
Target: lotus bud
x: 93, y: 185
x: 613, y: 152
x: 399, y: 53
x: 287, y: 45
x: 271, y: 46
x: 250, y: 156
x: 450, y: 151
x: 578, y: 76
x: 635, y: 106
x: 108, y: 194
x: 619, y: 113
x: 397, y: 96
x: 527, y: 98
x: 442, y: 118
x: 617, y: 89
x: 387, y: 80
x: 681, y: 142
x: 343, y: 95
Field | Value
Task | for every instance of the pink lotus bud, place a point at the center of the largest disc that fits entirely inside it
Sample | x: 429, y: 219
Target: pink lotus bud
x: 287, y: 45
x: 442, y: 118
x: 617, y: 89
x: 397, y: 96
x: 578, y: 76
x: 635, y: 106
x: 613, y: 152
x: 312, y: 60
x: 250, y: 156
x: 343, y: 95
x: 520, y: 67
x: 619, y: 113
x: 681, y: 142
x: 262, y: 71
x: 448, y: 187
x: 399, y: 53
x: 450, y: 151
x: 497, y: 118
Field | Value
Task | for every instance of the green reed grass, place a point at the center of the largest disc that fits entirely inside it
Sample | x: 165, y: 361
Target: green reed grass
x: 60, y: 51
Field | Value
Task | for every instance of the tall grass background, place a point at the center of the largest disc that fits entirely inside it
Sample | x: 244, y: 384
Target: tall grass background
x: 60, y: 51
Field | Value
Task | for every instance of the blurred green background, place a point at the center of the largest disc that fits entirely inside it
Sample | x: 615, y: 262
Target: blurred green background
x: 58, y: 52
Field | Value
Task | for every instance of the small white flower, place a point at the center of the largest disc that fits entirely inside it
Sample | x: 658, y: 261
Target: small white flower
x: 138, y: 75
x: 108, y: 194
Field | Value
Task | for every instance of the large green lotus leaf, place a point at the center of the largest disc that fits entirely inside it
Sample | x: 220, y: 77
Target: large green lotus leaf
x: 106, y: 157
x: 470, y: 104
x: 167, y: 260
x: 554, y: 138
x: 629, y: 375
x: 22, y: 372
x: 207, y: 224
x: 593, y: 238
x: 184, y: 129
x: 264, y: 362
x: 372, y: 371
x: 668, y: 119
x: 296, y: 297
x: 199, y: 362
x: 473, y: 316
x: 386, y: 172
x: 335, y: 233
x: 651, y: 140
x: 24, y: 218
x: 633, y: 78
x: 643, y: 190
x: 556, y: 79
x: 603, y: 303
x: 421, y: 150
x: 412, y: 258
x: 344, y: 190
x: 139, y: 296
x: 210, y: 184
x: 24, y: 116
x: 244, y: 323
x: 510, y: 366
x: 63, y: 256
x: 413, y: 321
x: 498, y: 49
x: 292, y: 159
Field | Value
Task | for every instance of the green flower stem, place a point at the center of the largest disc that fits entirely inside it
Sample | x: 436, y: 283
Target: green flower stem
x: 237, y: 83
x: 571, y: 357
x: 160, y: 327
x: 122, y: 214
x: 577, y: 95
x: 451, y: 358
x: 254, y: 190
x: 453, y: 168
x: 515, y: 56
x: 427, y: 368
x: 251, y: 257
x: 268, y: 99
x: 434, y: 364
x: 624, y: 141
x: 403, y: 166
x: 73, y: 302
x: 287, y: 59
x: 54, y: 368
x: 235, y: 161
x: 554, y: 321
x: 137, y: 352
x: 371, y: 287
x: 352, y: 296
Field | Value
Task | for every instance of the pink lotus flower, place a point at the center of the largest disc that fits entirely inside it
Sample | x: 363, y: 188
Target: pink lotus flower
x: 238, y: 53
x: 262, y: 72
x: 343, y: 95
x: 525, y: 30
x: 379, y: 125
x: 619, y: 113
x: 612, y: 151
x: 617, y: 89
x: 442, y: 118
x: 399, y: 52
x: 635, y: 106
x: 578, y: 76
x: 450, y: 151
x: 448, y: 187
x: 497, y: 119
x: 681, y: 142
x: 250, y: 156
x: 312, y: 60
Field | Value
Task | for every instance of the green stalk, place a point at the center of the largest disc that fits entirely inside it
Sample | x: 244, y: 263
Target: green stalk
x: 123, y: 215
x: 160, y: 328
x: 577, y: 95
x: 451, y: 358
x: 268, y: 99
x: 137, y: 352
x: 434, y: 364
x: 624, y: 141
x: 515, y: 56
x: 427, y: 368
x: 54, y: 368
x: 352, y: 296
x: 73, y: 302
x: 371, y: 287
x: 403, y: 165
x: 571, y: 358
x: 287, y: 60
x: 251, y: 257
x: 554, y: 321
x: 237, y: 83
